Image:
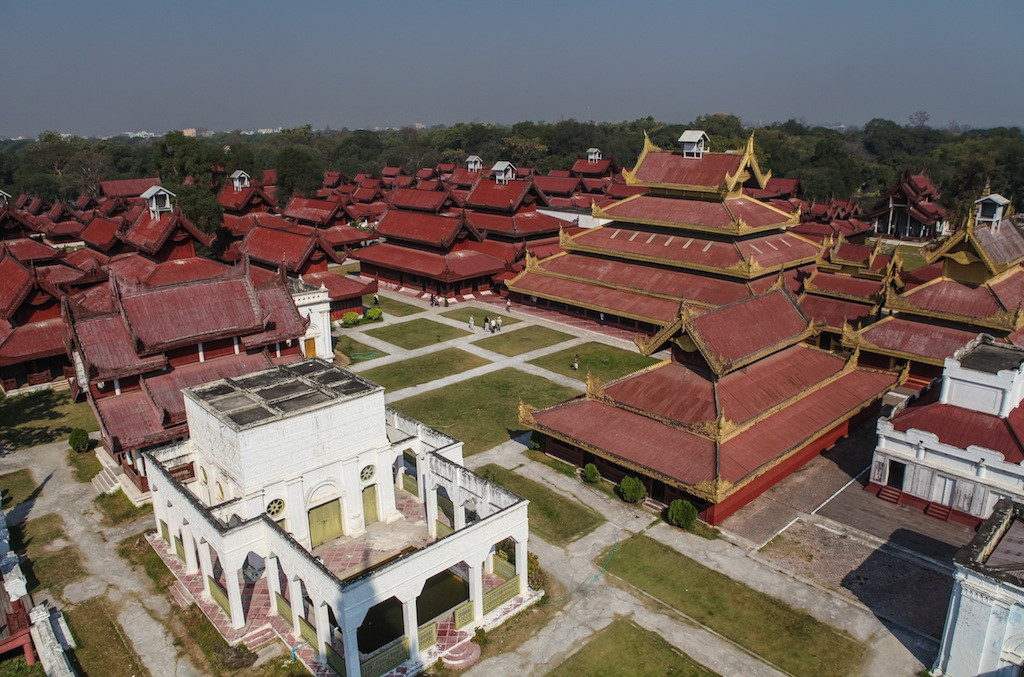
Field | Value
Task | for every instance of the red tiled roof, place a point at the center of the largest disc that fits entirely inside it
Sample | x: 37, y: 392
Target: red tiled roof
x: 340, y: 235
x: 165, y: 389
x: 651, y: 309
x: 457, y: 265
x: 17, y: 282
x: 669, y: 168
x: 293, y: 246
x: 507, y: 197
x: 149, y: 234
x: 130, y: 421
x: 833, y: 312
x: 87, y: 259
x: 128, y: 187
x: 110, y: 350
x: 341, y: 287
x: 725, y: 337
x: 584, y: 166
x: 318, y: 212
x: 524, y: 223
x: 101, y: 234
x: 954, y: 298
x: 419, y: 200
x: 557, y: 185
x: 962, y: 428
x: 712, y: 215
x: 27, y: 250
x: 33, y: 341
x: 846, y: 285
x: 281, y: 320
x: 421, y: 227
x: 1003, y: 245
x: 190, y: 269
x: 648, y: 279
x: 930, y: 342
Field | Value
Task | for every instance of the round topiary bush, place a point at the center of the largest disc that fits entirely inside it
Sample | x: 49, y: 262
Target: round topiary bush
x: 374, y: 314
x: 79, y: 440
x: 590, y: 474
x: 681, y: 513
x: 632, y: 490
x: 350, y: 318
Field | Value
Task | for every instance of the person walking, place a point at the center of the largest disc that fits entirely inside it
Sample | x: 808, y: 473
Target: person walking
x: 487, y: 324
x: 376, y: 299
x: 508, y: 305
x: 576, y: 362
x: 472, y: 322
x: 499, y: 322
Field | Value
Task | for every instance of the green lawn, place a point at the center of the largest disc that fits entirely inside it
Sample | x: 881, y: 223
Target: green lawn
x: 605, y: 362
x: 50, y: 564
x: 623, y: 649
x: 423, y: 369
x: 103, y: 648
x: 789, y: 638
x: 522, y: 340
x: 912, y: 258
x: 118, y: 508
x: 463, y: 314
x: 391, y: 306
x: 40, y: 417
x: 555, y: 518
x: 137, y: 550
x: 416, y: 333
x: 84, y: 465
x: 16, y: 487
x: 356, y: 351
x: 16, y: 666
x: 483, y: 411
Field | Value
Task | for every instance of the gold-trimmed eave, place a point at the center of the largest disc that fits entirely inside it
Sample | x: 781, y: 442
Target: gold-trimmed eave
x: 579, y: 304
x: 854, y: 338
x: 735, y: 227
x: 744, y: 269
x: 1008, y: 320
x: 839, y: 330
x: 815, y: 290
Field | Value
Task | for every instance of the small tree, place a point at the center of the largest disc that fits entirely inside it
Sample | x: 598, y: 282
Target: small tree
x: 681, y: 513
x: 591, y: 475
x: 632, y: 490
x: 534, y: 575
x: 78, y: 440
x: 374, y: 314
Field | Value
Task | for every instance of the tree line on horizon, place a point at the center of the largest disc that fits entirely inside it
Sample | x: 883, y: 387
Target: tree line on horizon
x: 858, y: 162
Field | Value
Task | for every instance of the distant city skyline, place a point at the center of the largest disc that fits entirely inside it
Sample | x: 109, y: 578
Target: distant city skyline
x: 76, y: 69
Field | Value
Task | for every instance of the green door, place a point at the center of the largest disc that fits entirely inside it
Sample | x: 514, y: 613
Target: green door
x: 369, y: 504
x: 324, y: 523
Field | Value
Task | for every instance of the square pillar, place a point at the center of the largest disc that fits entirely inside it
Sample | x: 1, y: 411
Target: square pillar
x: 432, y: 513
x: 295, y: 600
x: 323, y: 630
x: 235, y: 598
x: 273, y: 582
x: 189, y: 542
x: 412, y: 627
x: 352, y: 662
x: 476, y: 589
x: 522, y: 565
x: 205, y: 565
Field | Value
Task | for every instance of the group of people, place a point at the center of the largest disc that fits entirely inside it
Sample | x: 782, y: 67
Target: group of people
x: 490, y: 325
x: 435, y: 301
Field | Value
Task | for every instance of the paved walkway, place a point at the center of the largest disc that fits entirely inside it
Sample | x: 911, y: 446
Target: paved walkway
x: 142, y: 614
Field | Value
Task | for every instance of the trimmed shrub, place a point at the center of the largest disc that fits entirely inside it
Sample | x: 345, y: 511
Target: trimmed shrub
x: 374, y: 314
x: 480, y: 637
x: 350, y: 318
x: 79, y: 440
x: 681, y: 513
x: 534, y: 575
x: 591, y: 475
x: 632, y: 490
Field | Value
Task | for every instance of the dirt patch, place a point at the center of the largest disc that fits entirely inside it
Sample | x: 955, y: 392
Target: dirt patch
x: 891, y: 586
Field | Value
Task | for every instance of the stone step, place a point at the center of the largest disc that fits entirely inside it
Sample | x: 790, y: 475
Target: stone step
x: 259, y: 637
x: 181, y: 596
x: 462, y: 656
x: 106, y: 481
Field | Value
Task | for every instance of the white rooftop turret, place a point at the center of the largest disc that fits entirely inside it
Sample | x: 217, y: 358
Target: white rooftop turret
x: 474, y: 163
x: 503, y: 172
x: 990, y: 210
x: 695, y: 143
x: 159, y: 200
x: 240, y: 180
x: 594, y: 155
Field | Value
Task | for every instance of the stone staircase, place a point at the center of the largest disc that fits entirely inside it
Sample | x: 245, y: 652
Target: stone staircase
x: 462, y: 656
x: 259, y: 637
x: 890, y: 494
x: 108, y: 481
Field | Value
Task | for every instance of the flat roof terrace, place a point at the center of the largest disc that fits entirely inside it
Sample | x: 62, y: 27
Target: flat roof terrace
x: 276, y: 393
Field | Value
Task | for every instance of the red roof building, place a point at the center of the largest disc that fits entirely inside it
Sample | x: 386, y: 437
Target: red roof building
x: 908, y: 210
x: 731, y: 414
x: 127, y: 187
x: 156, y: 328
x: 690, y: 236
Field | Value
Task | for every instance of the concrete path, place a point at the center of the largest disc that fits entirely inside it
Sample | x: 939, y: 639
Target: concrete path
x: 141, y: 613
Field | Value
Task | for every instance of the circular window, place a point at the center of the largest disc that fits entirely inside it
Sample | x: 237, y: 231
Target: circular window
x: 275, y: 508
x: 367, y: 473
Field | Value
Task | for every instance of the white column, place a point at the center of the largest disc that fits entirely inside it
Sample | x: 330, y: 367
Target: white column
x: 205, y: 564
x: 432, y: 512
x: 348, y: 639
x: 295, y: 599
x: 476, y: 589
x: 234, y: 597
x: 458, y: 510
x: 273, y: 582
x: 323, y: 629
x: 412, y: 629
x: 522, y: 564
x: 189, y: 542
x: 158, y: 509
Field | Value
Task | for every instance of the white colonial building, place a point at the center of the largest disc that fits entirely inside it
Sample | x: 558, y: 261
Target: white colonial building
x: 956, y: 450
x: 984, y: 631
x: 359, y: 526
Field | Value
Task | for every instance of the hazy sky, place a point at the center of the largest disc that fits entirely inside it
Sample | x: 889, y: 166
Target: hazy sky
x: 106, y: 67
